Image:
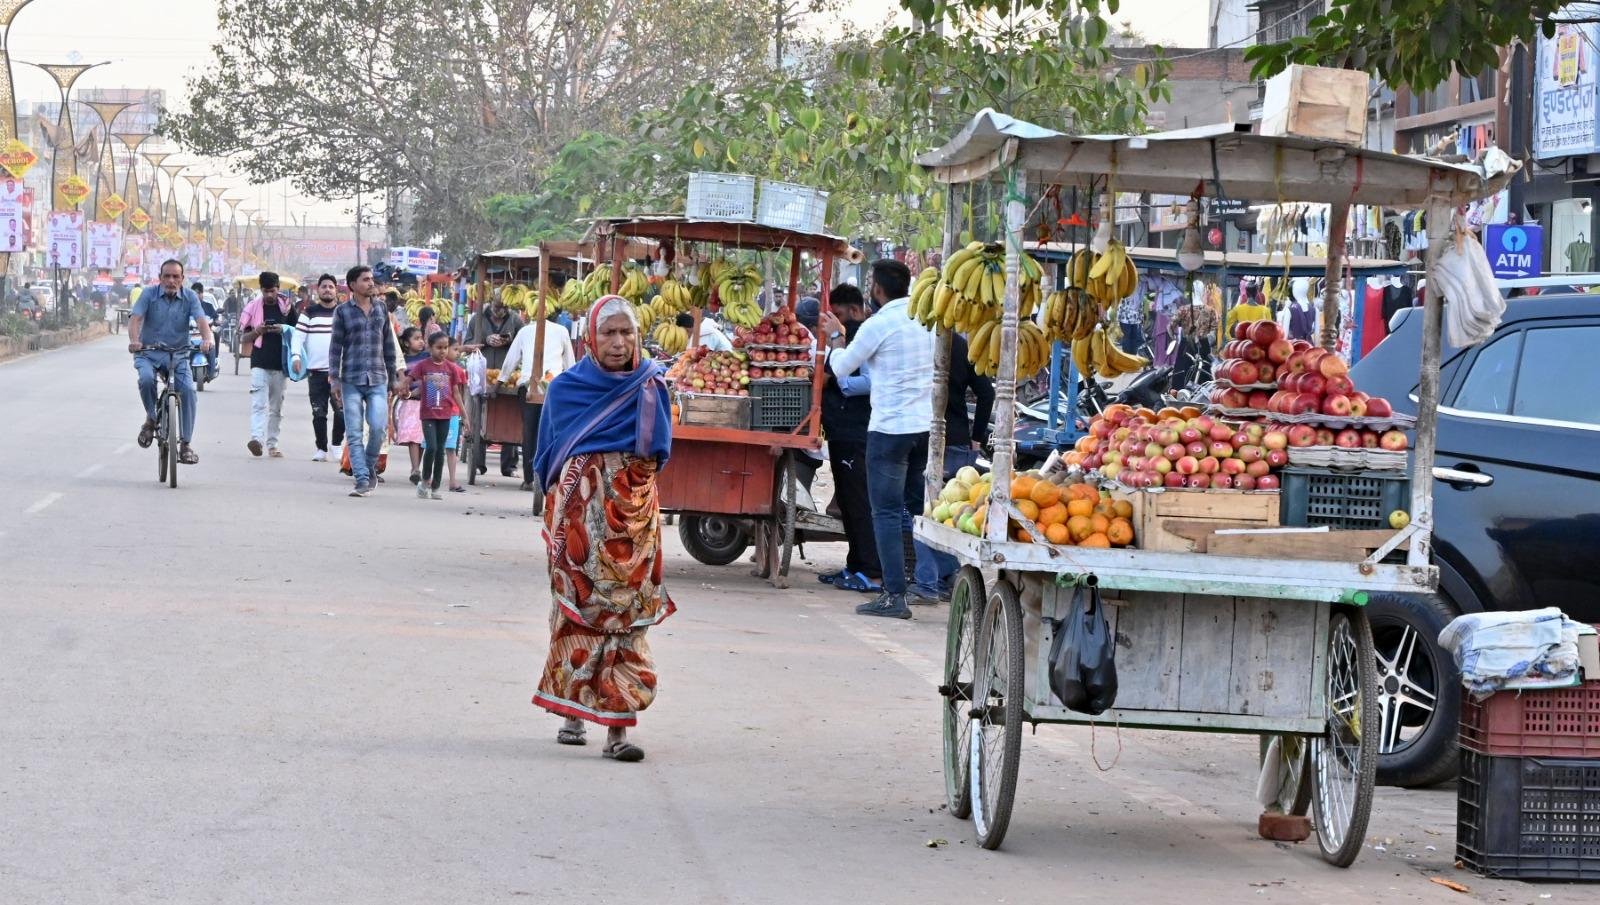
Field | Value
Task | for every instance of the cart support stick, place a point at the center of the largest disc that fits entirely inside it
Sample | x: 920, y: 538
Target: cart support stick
x: 1338, y: 222
x: 933, y: 475
x: 1004, y: 433
x: 542, y: 312
x: 1441, y: 224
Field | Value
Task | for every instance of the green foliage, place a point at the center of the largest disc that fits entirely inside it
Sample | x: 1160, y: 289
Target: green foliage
x: 1414, y: 43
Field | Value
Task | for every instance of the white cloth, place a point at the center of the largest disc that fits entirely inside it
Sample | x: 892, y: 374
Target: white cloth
x: 558, y: 354
x: 1494, y: 649
x: 899, y: 352
x: 712, y: 337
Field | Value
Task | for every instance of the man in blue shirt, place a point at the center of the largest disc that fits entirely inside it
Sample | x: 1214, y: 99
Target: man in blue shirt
x: 161, y: 318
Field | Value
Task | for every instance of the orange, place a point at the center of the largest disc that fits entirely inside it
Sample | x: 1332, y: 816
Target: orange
x: 1188, y: 412
x: 1084, y: 492
x: 1058, y: 534
x: 1021, y: 486
x: 1041, y: 528
x: 1029, y: 510
x: 1105, y: 508
x: 1095, y: 540
x: 1020, y: 536
x: 980, y: 492
x: 1120, y: 533
x: 1053, y: 515
x: 1044, y: 493
x: 1101, y: 523
x: 1080, y: 527
x: 1123, y: 509
x: 1079, y: 507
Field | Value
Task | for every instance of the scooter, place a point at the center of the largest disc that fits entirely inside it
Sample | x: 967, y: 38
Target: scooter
x: 200, y: 366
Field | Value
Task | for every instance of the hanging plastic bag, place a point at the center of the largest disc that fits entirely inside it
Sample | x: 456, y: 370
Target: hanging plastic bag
x: 1083, y: 668
x: 1473, y: 303
x: 477, y: 374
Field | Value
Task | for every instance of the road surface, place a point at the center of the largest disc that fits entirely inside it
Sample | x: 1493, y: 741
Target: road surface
x: 256, y: 689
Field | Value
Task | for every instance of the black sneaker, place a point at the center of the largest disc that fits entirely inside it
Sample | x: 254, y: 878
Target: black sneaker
x: 891, y: 606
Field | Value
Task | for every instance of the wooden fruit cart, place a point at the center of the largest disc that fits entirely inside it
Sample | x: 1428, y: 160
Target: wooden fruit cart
x: 721, y: 479
x: 1250, y: 644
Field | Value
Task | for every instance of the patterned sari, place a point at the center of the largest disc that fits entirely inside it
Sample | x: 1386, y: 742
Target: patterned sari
x: 603, y: 531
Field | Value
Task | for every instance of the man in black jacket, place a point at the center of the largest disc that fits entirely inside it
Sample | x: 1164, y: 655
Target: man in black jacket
x: 846, y: 410
x: 964, y: 436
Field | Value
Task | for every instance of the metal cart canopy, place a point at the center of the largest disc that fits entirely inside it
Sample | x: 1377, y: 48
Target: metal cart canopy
x: 752, y: 236
x: 1193, y: 162
x: 1239, y: 263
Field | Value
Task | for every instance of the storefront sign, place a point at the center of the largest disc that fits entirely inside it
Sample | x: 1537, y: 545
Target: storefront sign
x: 418, y: 261
x: 1564, y: 92
x: 1226, y: 208
x: 1514, y: 251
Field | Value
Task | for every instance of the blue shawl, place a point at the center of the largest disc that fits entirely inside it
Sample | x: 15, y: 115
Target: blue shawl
x: 588, y: 409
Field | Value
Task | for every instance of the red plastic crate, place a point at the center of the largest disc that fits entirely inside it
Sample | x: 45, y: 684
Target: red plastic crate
x: 1561, y: 722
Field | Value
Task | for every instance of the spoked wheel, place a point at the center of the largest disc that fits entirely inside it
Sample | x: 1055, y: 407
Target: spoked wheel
x: 1344, y: 759
x: 169, y: 448
x: 996, y: 732
x: 472, y: 445
x: 1286, y: 770
x: 960, y: 647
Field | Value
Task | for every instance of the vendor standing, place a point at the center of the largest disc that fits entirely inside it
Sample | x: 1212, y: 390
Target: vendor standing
x: 605, y: 434
x: 491, y: 332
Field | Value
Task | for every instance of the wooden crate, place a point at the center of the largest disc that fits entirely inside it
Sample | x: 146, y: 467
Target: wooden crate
x: 714, y: 411
x: 1316, y: 102
x: 1181, y: 521
x: 1325, y: 546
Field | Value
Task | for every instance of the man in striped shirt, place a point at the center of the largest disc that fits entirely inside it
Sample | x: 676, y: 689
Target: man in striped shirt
x: 313, y: 333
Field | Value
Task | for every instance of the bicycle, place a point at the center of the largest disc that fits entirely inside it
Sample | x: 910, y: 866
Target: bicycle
x: 169, y: 415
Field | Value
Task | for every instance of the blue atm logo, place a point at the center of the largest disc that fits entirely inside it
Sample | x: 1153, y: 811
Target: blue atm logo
x: 1515, y: 251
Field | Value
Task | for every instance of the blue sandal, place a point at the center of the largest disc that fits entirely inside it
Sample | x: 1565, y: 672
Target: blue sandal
x: 860, y: 583
x: 834, y: 578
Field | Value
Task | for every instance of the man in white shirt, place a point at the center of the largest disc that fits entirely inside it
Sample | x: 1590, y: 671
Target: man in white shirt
x: 312, y: 334
x: 899, y: 353
x: 557, y: 357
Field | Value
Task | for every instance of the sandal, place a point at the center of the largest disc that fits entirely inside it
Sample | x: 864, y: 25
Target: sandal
x: 416, y: 477
x: 626, y: 752
x: 569, y: 736
x: 147, y: 434
x: 834, y: 578
x: 187, y: 456
x: 859, y: 583
x: 458, y: 489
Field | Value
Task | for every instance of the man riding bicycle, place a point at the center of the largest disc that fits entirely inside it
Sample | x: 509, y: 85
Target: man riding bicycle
x: 160, y: 319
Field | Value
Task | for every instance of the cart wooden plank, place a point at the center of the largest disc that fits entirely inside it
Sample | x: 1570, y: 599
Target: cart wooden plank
x: 1268, y: 672
x: 1206, y: 658
x: 1149, y: 635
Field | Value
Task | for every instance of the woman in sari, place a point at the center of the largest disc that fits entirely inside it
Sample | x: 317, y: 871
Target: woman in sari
x: 604, y: 435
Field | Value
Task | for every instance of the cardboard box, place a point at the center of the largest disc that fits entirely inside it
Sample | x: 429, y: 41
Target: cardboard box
x: 1317, y: 102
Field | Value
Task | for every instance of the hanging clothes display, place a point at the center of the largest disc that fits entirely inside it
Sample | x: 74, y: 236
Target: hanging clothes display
x: 1374, y: 326
x: 1167, y: 292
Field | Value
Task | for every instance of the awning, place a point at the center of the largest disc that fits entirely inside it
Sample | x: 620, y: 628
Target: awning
x: 1238, y: 263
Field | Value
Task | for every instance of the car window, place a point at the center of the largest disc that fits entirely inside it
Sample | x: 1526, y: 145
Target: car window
x: 1558, y: 378
x: 1488, y: 385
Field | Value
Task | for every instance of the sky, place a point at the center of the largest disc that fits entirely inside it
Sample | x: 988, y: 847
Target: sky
x: 160, y: 43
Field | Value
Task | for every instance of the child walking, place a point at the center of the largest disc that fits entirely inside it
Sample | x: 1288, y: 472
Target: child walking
x: 407, y: 418
x: 444, y: 396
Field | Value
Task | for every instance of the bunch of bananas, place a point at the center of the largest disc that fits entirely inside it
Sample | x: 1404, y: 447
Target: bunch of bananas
x: 635, y: 283
x: 1069, y: 315
x: 1107, y: 278
x: 647, y: 317
x: 674, y: 295
x: 711, y: 273
x: 1097, y: 354
x: 521, y: 298
x: 671, y: 338
x: 1033, y: 349
x: 971, y: 289
x: 443, y: 307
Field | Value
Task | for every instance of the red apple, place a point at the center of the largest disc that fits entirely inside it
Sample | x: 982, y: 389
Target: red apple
x: 1241, y: 330
x: 1378, y: 407
x: 1279, y: 351
x: 1288, y: 381
x: 1239, y: 440
x: 1347, y: 439
x: 1234, y: 399
x: 1336, y: 406
x: 1167, y: 436
x: 1187, y: 465
x: 1199, y: 481
x: 1301, y: 345
x: 1311, y: 384
x: 1358, y: 407
x: 1332, y: 366
x: 1173, y: 451
x: 1324, y: 436
x: 1369, y: 439
x: 1161, y: 465
x: 1220, y: 432
x: 1302, y: 435
x: 1233, y: 466
x: 1304, y: 404
x: 1277, y: 458
x: 1267, y: 482
x: 1249, y: 454
x: 1296, y: 363
x: 1258, y: 468
x: 1253, y: 352
x: 1222, y: 481
x: 1393, y: 440
x: 1244, y: 482
x: 1197, y: 448
x: 1243, y: 372
x: 1266, y: 371
x: 1221, y: 449
x: 1258, y: 400
x: 1189, y: 435
x: 1202, y: 423
x: 1265, y: 333
x: 1172, y: 479
x: 1341, y: 384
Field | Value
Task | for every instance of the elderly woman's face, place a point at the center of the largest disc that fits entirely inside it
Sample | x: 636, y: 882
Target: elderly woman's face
x: 617, y: 340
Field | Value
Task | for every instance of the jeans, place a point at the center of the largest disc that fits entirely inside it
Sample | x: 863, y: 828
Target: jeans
x: 266, y: 404
x: 531, y: 411
x: 435, y: 433
x: 934, y: 569
x: 1132, y: 337
x: 147, y: 364
x: 369, y: 406
x: 849, y: 461
x: 321, y: 399
x: 894, y: 485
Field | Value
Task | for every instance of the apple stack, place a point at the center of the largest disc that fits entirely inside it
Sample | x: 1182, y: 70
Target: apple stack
x: 1181, y: 448
x: 779, y: 346
x: 1252, y: 363
x: 703, y: 371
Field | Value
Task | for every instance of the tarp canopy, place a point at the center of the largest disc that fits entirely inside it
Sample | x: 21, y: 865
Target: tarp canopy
x: 1217, y: 161
x: 1238, y: 263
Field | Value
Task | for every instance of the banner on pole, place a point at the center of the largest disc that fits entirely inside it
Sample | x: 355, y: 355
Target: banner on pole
x: 105, y: 245
x: 14, y: 197
x: 64, y: 238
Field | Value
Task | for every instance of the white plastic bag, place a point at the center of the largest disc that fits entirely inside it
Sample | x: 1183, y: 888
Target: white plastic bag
x: 477, y: 374
x: 1473, y: 303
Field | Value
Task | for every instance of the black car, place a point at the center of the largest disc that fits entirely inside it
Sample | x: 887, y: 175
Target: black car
x: 1516, y: 504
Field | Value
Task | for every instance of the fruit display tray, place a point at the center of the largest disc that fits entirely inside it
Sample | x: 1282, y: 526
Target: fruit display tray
x: 1348, y: 458
x: 1226, y: 384
x: 765, y: 347
x: 771, y: 380
x: 1396, y: 421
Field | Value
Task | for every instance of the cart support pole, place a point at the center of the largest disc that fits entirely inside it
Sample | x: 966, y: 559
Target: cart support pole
x: 1005, y: 420
x: 1338, y: 223
x: 542, y: 312
x: 933, y: 474
x: 1441, y: 229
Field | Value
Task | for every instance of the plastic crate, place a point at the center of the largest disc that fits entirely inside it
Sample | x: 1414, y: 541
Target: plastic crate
x: 721, y: 196
x: 1529, y: 818
x: 779, y: 406
x: 1556, y: 722
x: 785, y: 205
x: 1351, y: 500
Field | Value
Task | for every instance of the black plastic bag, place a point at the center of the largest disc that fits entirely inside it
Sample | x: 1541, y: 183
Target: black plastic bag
x: 1083, y: 665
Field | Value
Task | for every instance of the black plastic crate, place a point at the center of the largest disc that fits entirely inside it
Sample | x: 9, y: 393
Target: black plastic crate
x: 1341, y: 500
x: 779, y: 406
x: 1529, y: 818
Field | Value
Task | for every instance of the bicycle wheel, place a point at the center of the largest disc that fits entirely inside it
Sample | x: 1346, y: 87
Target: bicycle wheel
x: 966, y: 605
x: 171, y: 414
x: 1344, y: 759
x: 996, y: 735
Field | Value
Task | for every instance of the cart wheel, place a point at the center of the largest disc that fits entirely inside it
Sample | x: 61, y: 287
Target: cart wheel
x: 966, y: 603
x: 1344, y: 759
x: 1289, y: 765
x: 996, y: 733
x: 715, y: 540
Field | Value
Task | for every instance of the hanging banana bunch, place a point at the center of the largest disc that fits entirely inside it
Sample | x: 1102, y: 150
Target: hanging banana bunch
x: 983, y: 349
x: 1107, y: 278
x: 738, y: 290
x: 676, y: 295
x: 671, y: 338
x: 1096, y: 354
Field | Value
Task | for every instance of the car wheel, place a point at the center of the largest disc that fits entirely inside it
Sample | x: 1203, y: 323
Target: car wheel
x: 1419, y: 690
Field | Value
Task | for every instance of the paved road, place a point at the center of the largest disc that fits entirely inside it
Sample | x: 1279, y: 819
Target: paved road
x: 255, y: 689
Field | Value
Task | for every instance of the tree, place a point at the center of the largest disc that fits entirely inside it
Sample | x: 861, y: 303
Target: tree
x: 1414, y: 43
x: 447, y: 101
